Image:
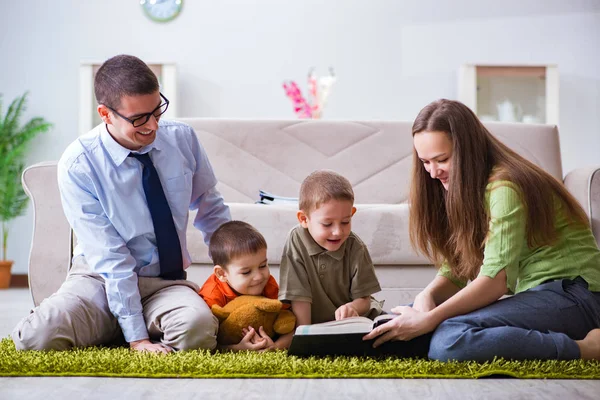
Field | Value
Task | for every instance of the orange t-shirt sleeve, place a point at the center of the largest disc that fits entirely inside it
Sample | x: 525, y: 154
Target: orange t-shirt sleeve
x: 211, y: 292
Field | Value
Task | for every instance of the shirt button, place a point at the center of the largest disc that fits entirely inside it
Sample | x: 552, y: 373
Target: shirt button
x: 322, y: 266
x: 321, y: 276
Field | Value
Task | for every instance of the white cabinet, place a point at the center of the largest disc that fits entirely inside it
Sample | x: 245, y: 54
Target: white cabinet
x: 511, y: 93
x: 88, y: 116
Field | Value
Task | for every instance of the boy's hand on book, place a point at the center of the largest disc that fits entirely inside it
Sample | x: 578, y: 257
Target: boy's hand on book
x: 409, y: 324
x: 345, y: 311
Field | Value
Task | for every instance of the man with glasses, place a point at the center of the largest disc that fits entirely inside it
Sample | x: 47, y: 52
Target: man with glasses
x: 126, y: 188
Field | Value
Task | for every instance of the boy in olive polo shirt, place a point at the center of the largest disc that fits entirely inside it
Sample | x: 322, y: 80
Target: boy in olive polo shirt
x: 326, y: 270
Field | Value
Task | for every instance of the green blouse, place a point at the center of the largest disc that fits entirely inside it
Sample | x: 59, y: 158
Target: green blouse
x: 574, y: 254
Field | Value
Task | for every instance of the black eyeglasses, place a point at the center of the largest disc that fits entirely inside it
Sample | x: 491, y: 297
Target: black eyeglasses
x: 142, y: 119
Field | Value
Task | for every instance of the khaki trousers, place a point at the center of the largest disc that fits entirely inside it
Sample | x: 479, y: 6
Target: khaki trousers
x: 78, y: 315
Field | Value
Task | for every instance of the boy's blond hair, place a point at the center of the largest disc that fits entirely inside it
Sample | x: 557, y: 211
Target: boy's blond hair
x: 322, y: 186
x: 234, y: 239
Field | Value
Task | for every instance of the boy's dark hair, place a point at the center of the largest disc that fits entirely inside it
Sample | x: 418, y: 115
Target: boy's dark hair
x: 234, y: 239
x: 123, y: 75
x: 322, y: 186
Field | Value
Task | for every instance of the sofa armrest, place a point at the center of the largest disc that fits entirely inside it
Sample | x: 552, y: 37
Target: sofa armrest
x: 584, y: 185
x: 49, y: 257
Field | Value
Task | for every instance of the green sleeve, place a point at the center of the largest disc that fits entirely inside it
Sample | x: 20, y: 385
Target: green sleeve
x: 447, y: 273
x: 506, y: 235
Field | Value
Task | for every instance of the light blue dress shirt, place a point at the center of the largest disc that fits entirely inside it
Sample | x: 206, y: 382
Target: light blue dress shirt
x: 103, y: 199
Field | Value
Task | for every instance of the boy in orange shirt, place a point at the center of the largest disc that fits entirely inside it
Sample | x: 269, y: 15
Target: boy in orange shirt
x: 239, y: 254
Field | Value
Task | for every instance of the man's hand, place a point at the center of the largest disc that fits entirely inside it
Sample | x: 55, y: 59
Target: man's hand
x: 346, y: 311
x: 146, y: 345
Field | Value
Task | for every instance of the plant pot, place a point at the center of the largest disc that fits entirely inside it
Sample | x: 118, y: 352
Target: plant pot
x: 5, y: 267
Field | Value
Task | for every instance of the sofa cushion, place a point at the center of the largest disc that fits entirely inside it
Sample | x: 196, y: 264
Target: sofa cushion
x: 382, y: 227
x: 375, y: 156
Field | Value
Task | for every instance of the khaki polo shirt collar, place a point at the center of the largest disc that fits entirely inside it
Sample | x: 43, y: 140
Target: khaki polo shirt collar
x: 314, y: 249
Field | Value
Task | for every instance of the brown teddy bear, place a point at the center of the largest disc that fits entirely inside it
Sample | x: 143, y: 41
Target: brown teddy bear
x: 255, y: 311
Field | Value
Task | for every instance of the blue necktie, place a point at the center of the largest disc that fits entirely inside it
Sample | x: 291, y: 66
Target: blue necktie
x: 167, y: 241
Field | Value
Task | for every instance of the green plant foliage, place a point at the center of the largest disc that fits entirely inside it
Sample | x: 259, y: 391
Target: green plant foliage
x: 123, y: 362
x: 14, y: 141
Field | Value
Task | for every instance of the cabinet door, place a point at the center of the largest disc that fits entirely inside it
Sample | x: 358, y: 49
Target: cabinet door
x: 510, y: 93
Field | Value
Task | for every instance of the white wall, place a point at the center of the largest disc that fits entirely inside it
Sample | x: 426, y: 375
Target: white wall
x: 391, y: 57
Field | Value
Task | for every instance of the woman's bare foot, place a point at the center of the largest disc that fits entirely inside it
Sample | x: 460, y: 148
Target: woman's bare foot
x: 590, y: 345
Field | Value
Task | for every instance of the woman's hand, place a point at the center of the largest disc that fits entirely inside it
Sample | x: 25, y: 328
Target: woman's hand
x: 424, y: 301
x: 409, y: 324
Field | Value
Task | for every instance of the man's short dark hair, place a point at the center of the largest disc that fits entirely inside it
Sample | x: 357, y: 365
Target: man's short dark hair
x: 234, y: 239
x: 123, y: 75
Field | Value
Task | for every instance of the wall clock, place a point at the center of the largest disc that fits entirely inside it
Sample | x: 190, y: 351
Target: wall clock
x: 161, y: 10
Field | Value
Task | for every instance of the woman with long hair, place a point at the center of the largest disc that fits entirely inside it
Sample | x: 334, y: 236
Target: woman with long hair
x: 495, y: 224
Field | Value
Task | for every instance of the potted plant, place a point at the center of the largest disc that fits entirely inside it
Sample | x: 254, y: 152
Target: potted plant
x: 14, y: 140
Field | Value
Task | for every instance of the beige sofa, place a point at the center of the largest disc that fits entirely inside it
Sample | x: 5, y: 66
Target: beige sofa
x: 276, y: 156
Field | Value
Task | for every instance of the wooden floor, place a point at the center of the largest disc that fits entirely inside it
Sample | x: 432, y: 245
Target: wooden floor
x: 16, y: 303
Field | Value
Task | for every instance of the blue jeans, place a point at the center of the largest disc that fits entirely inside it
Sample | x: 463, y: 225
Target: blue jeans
x: 539, y: 323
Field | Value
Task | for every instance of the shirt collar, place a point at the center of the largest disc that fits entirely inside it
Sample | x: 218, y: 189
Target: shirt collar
x: 119, y: 153
x: 314, y: 249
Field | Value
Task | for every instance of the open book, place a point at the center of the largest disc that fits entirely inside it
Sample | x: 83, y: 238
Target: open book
x: 270, y: 198
x: 344, y: 338
x: 348, y: 325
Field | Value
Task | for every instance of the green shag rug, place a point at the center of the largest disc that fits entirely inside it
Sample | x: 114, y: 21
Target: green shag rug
x: 122, y: 362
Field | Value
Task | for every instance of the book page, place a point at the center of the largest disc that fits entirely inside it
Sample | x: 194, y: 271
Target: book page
x: 348, y: 325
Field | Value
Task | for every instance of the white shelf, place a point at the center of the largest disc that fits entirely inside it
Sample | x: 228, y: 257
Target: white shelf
x: 511, y: 93
x: 88, y: 116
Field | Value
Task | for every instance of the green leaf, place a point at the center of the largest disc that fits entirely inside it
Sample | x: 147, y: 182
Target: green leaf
x: 14, y: 143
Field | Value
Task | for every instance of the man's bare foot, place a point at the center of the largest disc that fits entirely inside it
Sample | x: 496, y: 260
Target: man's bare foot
x: 590, y: 345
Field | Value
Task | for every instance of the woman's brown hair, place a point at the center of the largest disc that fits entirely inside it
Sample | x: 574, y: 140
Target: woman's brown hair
x: 452, y: 225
